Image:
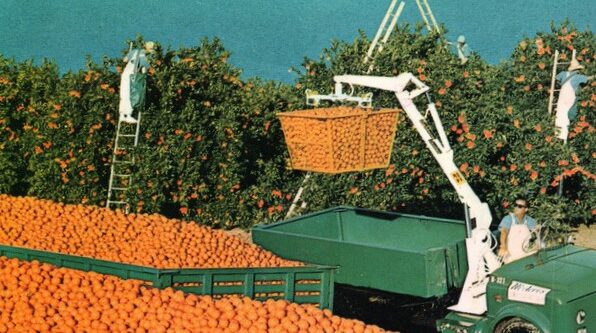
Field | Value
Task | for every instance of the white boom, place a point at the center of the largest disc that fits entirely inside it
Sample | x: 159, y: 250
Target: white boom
x: 481, y: 259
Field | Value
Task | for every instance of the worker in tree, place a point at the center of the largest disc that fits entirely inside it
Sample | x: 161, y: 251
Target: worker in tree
x: 462, y: 48
x: 516, y: 230
x: 570, y: 81
x: 132, y: 82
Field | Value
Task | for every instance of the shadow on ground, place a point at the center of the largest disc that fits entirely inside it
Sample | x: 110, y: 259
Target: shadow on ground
x: 392, y: 312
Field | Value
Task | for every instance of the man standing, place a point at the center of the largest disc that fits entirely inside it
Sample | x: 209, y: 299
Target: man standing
x: 516, y: 229
x: 566, y: 104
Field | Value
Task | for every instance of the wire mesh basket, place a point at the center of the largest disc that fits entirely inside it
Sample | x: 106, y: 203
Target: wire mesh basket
x: 339, y: 139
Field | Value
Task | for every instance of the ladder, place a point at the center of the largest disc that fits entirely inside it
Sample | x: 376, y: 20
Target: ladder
x: 427, y: 16
x: 123, y: 160
x: 385, y: 30
x: 551, y: 97
x: 553, y: 80
x: 297, y: 197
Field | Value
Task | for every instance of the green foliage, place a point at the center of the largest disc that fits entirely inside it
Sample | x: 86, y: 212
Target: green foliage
x: 212, y: 150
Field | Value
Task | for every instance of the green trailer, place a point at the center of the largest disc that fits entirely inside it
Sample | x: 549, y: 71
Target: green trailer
x: 551, y: 291
x: 399, y: 253
x: 311, y: 284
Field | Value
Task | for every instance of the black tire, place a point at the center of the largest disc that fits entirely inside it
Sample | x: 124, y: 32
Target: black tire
x: 516, y: 325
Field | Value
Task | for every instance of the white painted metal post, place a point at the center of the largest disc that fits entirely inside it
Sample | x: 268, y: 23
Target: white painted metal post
x: 553, y: 80
x: 379, y: 31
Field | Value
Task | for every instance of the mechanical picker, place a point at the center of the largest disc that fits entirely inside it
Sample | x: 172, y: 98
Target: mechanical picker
x: 550, y: 290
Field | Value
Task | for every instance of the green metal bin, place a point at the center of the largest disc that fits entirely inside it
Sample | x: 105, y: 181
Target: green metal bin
x: 311, y: 284
x: 406, y: 254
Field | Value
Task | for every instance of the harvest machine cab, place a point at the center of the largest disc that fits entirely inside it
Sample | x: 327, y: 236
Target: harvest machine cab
x: 479, y: 240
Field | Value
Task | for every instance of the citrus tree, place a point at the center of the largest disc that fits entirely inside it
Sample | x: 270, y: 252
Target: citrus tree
x: 212, y: 150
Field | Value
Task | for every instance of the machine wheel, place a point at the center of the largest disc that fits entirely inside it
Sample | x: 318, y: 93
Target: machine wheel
x: 516, y: 325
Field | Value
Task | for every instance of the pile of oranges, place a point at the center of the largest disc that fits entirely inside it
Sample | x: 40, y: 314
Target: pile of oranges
x: 339, y: 139
x: 42, y: 298
x: 146, y: 240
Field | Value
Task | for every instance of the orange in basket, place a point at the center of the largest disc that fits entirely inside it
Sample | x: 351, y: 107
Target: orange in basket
x: 339, y: 139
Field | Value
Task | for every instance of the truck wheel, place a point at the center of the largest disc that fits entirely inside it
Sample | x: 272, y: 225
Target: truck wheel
x: 516, y: 325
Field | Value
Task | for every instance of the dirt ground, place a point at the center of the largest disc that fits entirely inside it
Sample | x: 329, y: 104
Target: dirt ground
x: 585, y: 236
x: 242, y: 234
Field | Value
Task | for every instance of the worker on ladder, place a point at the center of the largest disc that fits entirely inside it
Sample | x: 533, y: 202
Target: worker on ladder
x: 132, y: 82
x: 570, y: 82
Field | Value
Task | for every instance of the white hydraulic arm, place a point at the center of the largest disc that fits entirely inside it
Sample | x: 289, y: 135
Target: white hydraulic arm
x: 481, y: 260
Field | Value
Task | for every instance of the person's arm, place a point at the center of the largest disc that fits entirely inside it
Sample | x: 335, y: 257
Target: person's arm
x: 466, y: 50
x: 504, y: 228
x: 561, y: 76
x: 503, y: 242
x: 143, y: 61
x: 128, y: 56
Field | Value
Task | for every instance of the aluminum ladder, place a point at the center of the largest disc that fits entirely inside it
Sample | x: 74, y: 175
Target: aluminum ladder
x: 123, y: 160
x: 427, y: 16
x: 297, y: 197
x: 551, y: 97
x: 385, y: 29
x: 553, y: 79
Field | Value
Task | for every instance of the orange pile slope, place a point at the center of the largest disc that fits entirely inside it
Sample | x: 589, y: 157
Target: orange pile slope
x: 146, y: 240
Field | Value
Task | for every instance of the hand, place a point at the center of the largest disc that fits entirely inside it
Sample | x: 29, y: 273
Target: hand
x: 503, y: 252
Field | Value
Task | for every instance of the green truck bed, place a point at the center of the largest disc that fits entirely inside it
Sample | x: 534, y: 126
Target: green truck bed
x: 399, y: 253
x: 305, y: 285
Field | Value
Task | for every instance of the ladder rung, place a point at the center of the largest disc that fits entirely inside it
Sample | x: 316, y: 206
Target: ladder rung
x: 119, y: 188
x: 122, y: 162
x: 128, y: 135
x: 121, y: 149
x: 117, y: 202
x: 121, y: 175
